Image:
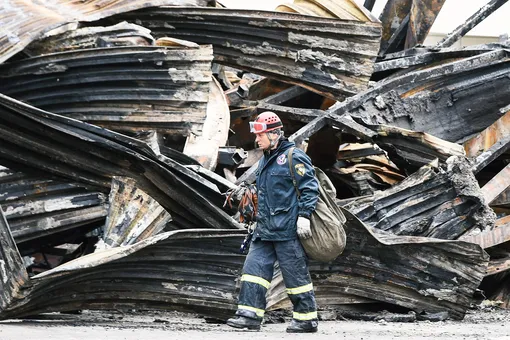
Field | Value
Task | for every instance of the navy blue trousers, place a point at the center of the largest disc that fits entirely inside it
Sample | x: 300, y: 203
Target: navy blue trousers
x: 258, y: 272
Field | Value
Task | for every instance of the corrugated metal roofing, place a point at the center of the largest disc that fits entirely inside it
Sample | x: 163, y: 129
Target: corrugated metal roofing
x: 22, y: 21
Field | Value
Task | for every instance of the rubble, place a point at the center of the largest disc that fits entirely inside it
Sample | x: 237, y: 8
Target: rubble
x: 122, y: 129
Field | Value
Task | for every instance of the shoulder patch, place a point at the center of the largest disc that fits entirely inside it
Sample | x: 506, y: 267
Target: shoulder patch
x: 300, y: 169
x: 282, y: 159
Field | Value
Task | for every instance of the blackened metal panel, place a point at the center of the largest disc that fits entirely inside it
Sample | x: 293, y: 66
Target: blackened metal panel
x: 329, y: 56
x: 192, y: 271
x: 452, y: 100
x: 38, y: 207
x: 132, y: 214
x: 12, y: 269
x: 128, y: 89
x: 24, y: 21
x: 92, y: 155
x: 422, y: 274
x: 444, y: 202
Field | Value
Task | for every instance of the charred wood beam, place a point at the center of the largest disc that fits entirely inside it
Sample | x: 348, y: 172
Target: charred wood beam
x: 292, y: 113
x: 496, y: 150
x: 91, y: 155
x: 29, y: 20
x: 422, y: 16
x: 423, y: 56
x: 348, y: 125
x: 329, y: 56
x: 496, y: 185
x: 122, y: 34
x: 456, y: 89
x: 191, y: 271
x: 470, y: 23
x: 248, y: 108
x: 414, y: 149
x: 406, y: 23
x: 394, y: 19
x: 397, y: 40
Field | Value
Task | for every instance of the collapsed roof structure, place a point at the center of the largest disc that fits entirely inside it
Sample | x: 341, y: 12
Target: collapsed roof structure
x: 122, y: 127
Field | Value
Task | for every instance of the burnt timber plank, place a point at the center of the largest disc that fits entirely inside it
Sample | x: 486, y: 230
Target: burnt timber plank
x: 285, y: 95
x: 496, y: 185
x: 496, y: 150
x: 422, y: 15
x: 428, y: 99
x: 498, y: 266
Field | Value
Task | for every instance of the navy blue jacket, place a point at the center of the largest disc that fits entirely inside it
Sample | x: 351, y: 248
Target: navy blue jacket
x: 278, y: 204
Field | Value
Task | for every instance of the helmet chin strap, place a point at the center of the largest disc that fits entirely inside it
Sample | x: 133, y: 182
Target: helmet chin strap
x: 273, y: 142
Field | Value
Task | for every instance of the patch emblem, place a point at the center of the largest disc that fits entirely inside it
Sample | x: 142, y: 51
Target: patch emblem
x: 282, y: 159
x: 300, y: 169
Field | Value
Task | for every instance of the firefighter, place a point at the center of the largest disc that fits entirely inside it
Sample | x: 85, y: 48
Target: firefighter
x: 282, y: 219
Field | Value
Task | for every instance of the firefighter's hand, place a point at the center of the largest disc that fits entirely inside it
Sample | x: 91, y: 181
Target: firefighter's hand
x: 303, y: 228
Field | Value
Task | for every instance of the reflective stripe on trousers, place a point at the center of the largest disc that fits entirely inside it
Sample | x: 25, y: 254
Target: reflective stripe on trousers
x: 258, y: 272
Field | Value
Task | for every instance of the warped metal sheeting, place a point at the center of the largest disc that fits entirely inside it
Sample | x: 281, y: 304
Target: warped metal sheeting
x: 122, y: 34
x: 422, y: 274
x: 37, y: 207
x: 444, y: 202
x: 190, y: 271
x: 132, y: 215
x: 91, y: 155
x: 13, y: 274
x: 451, y: 101
x: 22, y: 21
x: 329, y: 56
x: 131, y: 89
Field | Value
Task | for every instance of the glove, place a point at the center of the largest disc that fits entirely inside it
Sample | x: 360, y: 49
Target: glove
x: 303, y: 228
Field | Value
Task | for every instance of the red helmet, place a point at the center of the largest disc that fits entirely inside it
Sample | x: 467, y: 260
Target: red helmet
x: 265, y: 122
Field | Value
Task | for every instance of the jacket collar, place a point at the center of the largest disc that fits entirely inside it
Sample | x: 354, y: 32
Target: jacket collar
x: 283, y: 145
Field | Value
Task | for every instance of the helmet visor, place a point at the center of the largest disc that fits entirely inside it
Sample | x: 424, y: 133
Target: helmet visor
x: 256, y: 127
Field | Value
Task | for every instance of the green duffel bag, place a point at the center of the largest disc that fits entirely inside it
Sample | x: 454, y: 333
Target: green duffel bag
x: 327, y: 221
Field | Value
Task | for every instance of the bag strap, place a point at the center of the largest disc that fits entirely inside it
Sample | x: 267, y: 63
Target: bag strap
x: 289, y: 156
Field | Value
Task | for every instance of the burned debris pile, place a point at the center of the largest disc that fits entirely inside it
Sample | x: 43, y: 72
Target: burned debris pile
x: 122, y: 131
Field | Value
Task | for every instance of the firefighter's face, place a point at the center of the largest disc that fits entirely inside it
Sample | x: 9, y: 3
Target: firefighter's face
x: 263, y: 141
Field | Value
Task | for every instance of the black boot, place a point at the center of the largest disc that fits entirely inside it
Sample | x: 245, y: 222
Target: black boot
x: 243, y: 322
x: 297, y: 326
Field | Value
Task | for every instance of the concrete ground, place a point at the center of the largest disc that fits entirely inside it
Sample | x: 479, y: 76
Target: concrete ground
x: 155, y: 326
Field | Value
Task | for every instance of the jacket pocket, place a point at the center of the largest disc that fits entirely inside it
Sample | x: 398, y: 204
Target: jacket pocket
x: 283, y: 218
